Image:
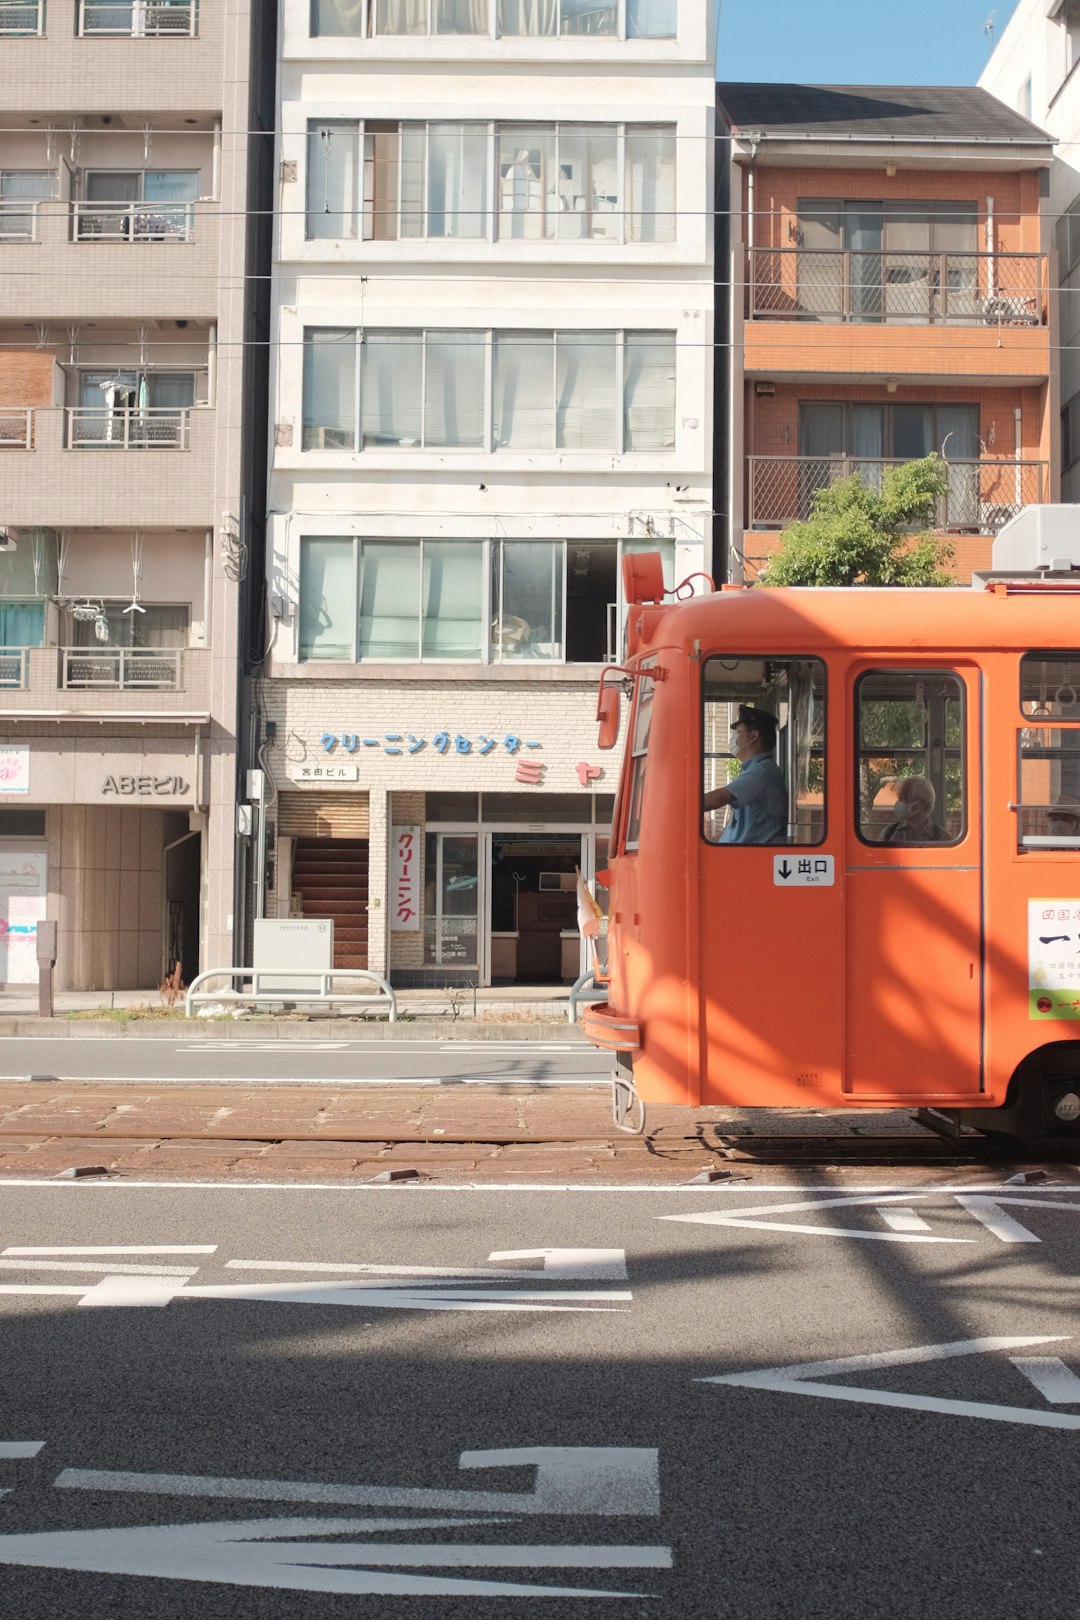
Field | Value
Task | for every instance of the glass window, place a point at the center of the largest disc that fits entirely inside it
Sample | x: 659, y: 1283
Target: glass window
x: 764, y: 751
x: 588, y: 205
x: 524, y: 395
x: 327, y: 598
x: 451, y: 885
x: 401, y: 16
x: 589, y: 17
x: 392, y: 389
x: 528, y: 197
x: 1049, y: 751
x: 331, y: 180
x: 453, y: 599
x: 649, y: 391
x: 389, y: 618
x: 460, y: 17
x: 457, y: 171
x: 644, y: 692
x: 911, y: 787
x: 336, y: 18
x: 652, y: 19
x: 527, y: 600
x: 533, y: 18
x: 329, y: 388
x: 585, y: 388
x: 650, y: 184
x: 454, y: 389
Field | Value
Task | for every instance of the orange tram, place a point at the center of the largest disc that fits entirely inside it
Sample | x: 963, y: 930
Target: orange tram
x: 847, y: 954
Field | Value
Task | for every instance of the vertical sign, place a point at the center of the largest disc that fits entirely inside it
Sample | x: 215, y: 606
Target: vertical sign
x: 14, y: 768
x: 1054, y: 959
x: 405, y: 879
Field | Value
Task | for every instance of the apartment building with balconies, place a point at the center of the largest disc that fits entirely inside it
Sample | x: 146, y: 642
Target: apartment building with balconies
x: 124, y: 524
x: 493, y: 377
x: 890, y: 295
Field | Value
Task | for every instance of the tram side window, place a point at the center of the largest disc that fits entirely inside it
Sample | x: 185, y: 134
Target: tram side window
x: 1048, y: 746
x: 639, y: 755
x: 777, y: 793
x: 910, y: 769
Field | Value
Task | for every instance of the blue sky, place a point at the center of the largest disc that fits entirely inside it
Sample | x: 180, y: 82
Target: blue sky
x: 857, y: 41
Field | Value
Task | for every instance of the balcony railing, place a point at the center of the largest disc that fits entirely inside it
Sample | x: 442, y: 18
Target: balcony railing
x: 134, y: 222
x: 905, y: 289
x: 14, y: 668
x: 156, y: 428
x: 140, y: 19
x: 980, y: 498
x: 19, y: 220
x: 123, y: 669
x: 16, y: 429
x: 22, y: 17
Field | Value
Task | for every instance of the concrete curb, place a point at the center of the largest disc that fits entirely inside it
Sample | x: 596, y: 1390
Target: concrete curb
x: 270, y: 1029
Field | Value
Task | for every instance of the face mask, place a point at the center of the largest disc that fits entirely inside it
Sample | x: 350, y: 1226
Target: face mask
x: 901, y: 809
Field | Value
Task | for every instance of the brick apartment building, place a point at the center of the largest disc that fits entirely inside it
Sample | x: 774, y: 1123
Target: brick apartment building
x: 889, y: 266
x: 124, y: 171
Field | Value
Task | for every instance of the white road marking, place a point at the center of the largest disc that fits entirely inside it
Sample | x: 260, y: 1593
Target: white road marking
x: 595, y: 1082
x: 750, y: 1218
x: 112, y: 1268
x: 12, y: 1450
x: 994, y: 1218
x: 28, y: 1288
x: 581, y: 1265
x: 803, y: 1380
x: 265, y: 1046
x: 723, y: 1191
x: 113, y: 1248
x: 130, y: 1293
x: 1054, y: 1381
x: 904, y: 1220
x: 375, y: 1296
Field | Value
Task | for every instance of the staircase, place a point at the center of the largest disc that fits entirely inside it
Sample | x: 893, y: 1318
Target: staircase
x: 331, y: 877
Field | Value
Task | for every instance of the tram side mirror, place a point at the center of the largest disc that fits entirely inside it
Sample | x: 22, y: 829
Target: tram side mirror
x: 607, y: 715
x: 643, y: 577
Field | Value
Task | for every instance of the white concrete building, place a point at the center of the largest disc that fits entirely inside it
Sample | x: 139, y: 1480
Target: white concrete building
x: 492, y: 339
x: 1034, y: 69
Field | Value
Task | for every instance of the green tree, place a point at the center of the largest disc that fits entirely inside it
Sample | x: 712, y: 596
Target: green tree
x: 857, y: 535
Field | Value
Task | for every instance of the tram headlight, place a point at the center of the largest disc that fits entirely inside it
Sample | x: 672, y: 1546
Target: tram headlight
x: 1067, y: 1108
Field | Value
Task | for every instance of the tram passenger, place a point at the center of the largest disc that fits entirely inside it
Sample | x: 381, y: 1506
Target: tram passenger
x: 914, y: 812
x: 758, y: 795
x: 1063, y: 820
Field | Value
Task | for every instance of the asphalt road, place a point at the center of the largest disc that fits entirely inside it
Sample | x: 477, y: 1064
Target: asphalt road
x: 747, y: 1403
x: 376, y: 1062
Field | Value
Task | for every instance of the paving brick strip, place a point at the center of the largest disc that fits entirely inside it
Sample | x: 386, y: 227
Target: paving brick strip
x: 493, y: 1027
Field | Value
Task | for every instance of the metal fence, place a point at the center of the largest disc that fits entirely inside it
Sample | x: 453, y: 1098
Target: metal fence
x: 14, y: 668
x: 980, y: 498
x: 123, y: 668
x: 22, y: 17
x: 134, y: 222
x: 138, y: 18
x: 971, y: 289
x: 18, y: 219
x: 16, y: 429
x: 155, y: 428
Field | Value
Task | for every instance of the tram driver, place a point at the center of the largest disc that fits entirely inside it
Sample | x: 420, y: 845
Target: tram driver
x: 914, y: 812
x: 758, y: 796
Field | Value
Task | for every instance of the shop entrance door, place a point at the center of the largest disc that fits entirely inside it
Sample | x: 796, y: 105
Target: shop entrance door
x: 532, y: 905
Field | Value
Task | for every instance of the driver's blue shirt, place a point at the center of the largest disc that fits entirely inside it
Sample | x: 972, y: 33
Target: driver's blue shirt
x: 758, y: 814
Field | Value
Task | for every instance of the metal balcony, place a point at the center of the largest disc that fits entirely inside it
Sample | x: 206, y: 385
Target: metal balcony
x: 155, y: 428
x: 898, y: 289
x: 133, y: 222
x: 21, y: 18
x: 14, y: 668
x: 123, y: 669
x: 16, y: 429
x: 138, y: 19
x: 19, y: 220
x: 980, y: 499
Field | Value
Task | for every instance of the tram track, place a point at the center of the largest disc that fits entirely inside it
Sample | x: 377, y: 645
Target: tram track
x: 818, y: 1151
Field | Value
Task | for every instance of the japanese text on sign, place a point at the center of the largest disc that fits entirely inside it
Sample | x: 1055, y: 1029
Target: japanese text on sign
x: 405, y: 879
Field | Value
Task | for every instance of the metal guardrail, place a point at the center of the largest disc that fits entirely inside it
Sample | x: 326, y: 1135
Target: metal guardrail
x: 17, y: 429
x: 134, y: 222
x: 14, y: 668
x: 981, y: 495
x: 156, y: 428
x: 139, y: 19
x: 18, y: 218
x: 22, y: 17
x: 969, y: 289
x: 123, y: 669
x: 585, y: 986
x: 261, y: 991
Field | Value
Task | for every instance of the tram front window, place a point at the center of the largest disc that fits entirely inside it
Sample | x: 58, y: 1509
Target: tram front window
x: 910, y: 764
x: 763, y: 779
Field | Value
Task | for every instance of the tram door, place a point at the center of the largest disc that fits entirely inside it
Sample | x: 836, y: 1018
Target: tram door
x: 913, y: 930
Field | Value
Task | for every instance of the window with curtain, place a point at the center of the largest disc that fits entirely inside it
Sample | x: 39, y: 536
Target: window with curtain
x: 327, y: 598
x: 528, y: 193
x: 389, y: 600
x: 391, y: 389
x: 23, y: 187
x: 454, y: 389
x: 650, y: 184
x: 156, y: 626
x: 453, y: 599
x: 401, y: 16
x: 649, y: 391
x: 337, y: 18
x: 457, y: 180
x: 585, y: 417
x: 588, y: 17
x: 459, y: 17
x: 530, y: 18
x: 22, y: 624
x: 524, y: 404
x: 329, y: 388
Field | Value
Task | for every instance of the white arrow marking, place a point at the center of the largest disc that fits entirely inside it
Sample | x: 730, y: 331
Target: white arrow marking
x: 11, y: 1450
x: 749, y: 1218
x: 578, y: 1265
x: 242, y: 1554
x: 799, y: 1380
x: 994, y: 1218
x: 606, y: 1481
x: 1054, y: 1381
x: 111, y: 1267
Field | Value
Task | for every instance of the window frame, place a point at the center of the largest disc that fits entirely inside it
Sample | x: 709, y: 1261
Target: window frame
x: 961, y: 753
x: 369, y: 30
